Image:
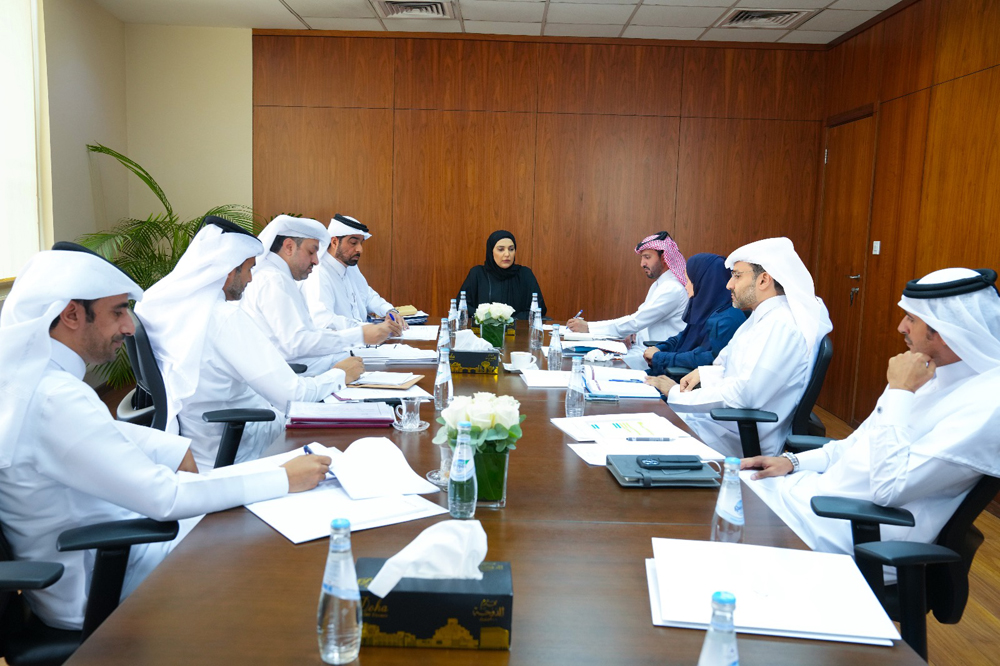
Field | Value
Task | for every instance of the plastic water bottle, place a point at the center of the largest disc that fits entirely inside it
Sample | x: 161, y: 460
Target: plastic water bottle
x: 463, y: 312
x: 338, y: 620
x: 719, y: 648
x: 535, y: 339
x: 575, y: 391
x: 555, y: 349
x: 444, y: 389
x: 453, y: 322
x: 444, y: 340
x: 462, y: 487
x: 727, y: 524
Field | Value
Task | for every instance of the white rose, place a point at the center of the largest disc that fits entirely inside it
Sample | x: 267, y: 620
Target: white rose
x: 481, y: 414
x: 457, y: 411
x: 507, y: 411
x: 482, y: 312
x: 506, y: 311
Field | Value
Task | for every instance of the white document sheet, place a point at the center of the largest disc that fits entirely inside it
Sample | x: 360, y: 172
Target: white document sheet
x: 416, y: 332
x: 385, y: 378
x: 396, y: 353
x: 598, y: 452
x: 620, y: 382
x: 837, y: 605
x: 546, y: 378
x: 570, y: 335
x: 618, y: 426
x: 374, y: 467
x: 344, y: 411
x: 368, y: 394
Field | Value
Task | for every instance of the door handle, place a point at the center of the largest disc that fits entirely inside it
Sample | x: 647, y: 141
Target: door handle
x: 854, y: 292
x: 855, y: 277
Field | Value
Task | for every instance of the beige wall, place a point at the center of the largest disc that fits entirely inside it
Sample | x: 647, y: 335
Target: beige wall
x: 85, y: 58
x: 189, y: 116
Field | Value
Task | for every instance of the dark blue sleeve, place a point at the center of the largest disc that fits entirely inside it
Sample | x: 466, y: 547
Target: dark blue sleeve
x: 721, y: 327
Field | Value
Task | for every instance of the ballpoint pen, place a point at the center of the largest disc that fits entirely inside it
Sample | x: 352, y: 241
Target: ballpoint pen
x: 627, y: 381
x: 577, y: 315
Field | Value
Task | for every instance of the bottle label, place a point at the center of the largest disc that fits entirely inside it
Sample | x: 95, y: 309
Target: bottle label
x: 343, y: 593
x: 733, y: 512
x: 462, y: 469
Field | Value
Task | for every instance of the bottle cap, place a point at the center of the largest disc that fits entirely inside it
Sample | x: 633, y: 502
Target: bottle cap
x: 724, y: 598
x: 340, y: 524
x: 732, y: 460
x: 464, y: 424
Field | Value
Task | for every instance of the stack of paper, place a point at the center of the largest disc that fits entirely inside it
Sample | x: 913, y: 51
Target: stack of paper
x: 616, y: 426
x: 583, y: 346
x: 829, y: 599
x: 339, y: 415
x: 396, y: 354
x: 374, y: 487
x: 424, y: 333
x: 619, y: 382
x: 355, y: 394
x: 386, y: 379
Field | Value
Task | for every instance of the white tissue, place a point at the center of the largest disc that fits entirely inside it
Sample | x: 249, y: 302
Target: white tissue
x: 449, y: 549
x: 466, y: 340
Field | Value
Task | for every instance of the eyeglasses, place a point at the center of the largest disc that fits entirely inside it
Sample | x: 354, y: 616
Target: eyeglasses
x: 736, y: 274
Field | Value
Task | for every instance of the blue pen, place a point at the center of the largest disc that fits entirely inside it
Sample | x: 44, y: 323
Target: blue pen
x: 391, y: 317
x: 627, y: 381
x: 307, y: 450
x: 578, y: 314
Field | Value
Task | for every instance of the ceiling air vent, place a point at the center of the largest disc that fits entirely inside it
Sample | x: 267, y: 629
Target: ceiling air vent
x: 782, y: 19
x: 415, y: 9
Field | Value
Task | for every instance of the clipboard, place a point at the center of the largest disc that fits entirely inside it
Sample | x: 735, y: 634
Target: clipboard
x: 628, y: 474
x: 397, y: 387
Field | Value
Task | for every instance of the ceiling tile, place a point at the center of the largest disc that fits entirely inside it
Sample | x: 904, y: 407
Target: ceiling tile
x: 422, y: 25
x: 660, y: 32
x: 501, y: 28
x: 692, y: 3
x: 833, y: 20
x: 332, y: 8
x: 810, y: 37
x: 743, y: 35
x: 599, y: 2
x: 604, y: 14
x: 863, y: 4
x: 369, y: 24
x: 782, y: 4
x: 577, y: 30
x: 523, y: 12
x: 541, y: 1
x: 262, y: 14
x: 677, y: 17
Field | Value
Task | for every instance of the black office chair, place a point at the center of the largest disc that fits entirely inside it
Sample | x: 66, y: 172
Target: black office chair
x: 147, y: 372
x: 804, y: 422
x: 26, y: 640
x: 930, y: 577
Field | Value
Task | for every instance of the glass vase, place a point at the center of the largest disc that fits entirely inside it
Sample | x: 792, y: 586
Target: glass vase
x: 493, y: 334
x: 491, y: 475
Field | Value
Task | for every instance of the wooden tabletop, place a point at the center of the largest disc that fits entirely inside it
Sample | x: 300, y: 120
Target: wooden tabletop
x: 237, y: 591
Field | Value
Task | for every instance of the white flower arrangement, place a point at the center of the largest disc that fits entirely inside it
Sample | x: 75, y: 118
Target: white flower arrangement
x: 494, y: 313
x: 496, y: 421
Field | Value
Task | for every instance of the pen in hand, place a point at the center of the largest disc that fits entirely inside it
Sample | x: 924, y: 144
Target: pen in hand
x: 578, y: 314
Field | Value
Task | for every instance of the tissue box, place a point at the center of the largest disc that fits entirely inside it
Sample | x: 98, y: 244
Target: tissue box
x: 438, y: 613
x: 475, y: 362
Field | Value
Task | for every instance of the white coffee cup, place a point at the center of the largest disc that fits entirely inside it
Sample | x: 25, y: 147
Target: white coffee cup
x: 711, y: 375
x: 522, y: 360
x: 408, y: 413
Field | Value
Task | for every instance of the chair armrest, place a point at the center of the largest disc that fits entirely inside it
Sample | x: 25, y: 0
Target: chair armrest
x: 28, y: 575
x: 298, y: 368
x: 238, y: 415
x: 652, y: 343
x: 801, y: 443
x: 676, y: 370
x: 117, y: 534
x: 905, y: 553
x: 860, y: 510
x: 751, y: 415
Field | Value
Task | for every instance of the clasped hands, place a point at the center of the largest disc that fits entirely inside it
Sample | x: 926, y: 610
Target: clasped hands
x: 663, y: 384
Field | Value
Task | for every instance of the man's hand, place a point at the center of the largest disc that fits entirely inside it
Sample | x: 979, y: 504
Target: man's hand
x: 768, y: 466
x: 352, y: 367
x: 661, y: 384
x: 393, y: 315
x: 305, y: 472
x: 578, y: 325
x: 188, y: 464
x: 648, y: 354
x: 690, y: 381
x: 909, y: 371
x: 375, y: 334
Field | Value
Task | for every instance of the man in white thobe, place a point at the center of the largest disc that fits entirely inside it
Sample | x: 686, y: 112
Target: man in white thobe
x: 769, y: 360
x: 336, y: 292
x: 64, y: 462
x: 213, y: 356
x: 273, y: 301
x: 933, y: 432
x: 661, y: 315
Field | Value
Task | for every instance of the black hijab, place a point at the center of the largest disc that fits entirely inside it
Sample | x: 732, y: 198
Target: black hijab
x: 491, y: 266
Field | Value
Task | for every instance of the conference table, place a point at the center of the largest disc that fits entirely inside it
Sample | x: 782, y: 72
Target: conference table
x: 236, y: 591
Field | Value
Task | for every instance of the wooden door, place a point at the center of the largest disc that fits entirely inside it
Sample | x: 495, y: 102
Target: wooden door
x: 843, y: 241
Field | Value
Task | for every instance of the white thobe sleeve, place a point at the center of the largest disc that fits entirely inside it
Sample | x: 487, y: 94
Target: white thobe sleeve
x: 95, y: 457
x: 161, y: 450
x: 296, y: 336
x: 765, y: 366
x: 373, y: 301
x: 656, y: 307
x: 256, y: 360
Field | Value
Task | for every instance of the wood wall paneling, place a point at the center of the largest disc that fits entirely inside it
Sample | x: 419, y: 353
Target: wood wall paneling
x: 466, y: 75
x: 753, y: 83
x: 967, y: 38
x: 318, y: 161
x: 902, y: 132
x: 602, y: 184
x: 743, y: 180
x: 322, y: 71
x: 960, y: 207
x: 459, y: 176
x: 614, y: 79
x: 907, y: 51
x: 854, y: 72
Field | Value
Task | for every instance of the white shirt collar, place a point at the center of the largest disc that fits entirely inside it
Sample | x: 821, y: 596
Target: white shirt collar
x: 338, y: 267
x: 272, y: 259
x: 68, y: 360
x: 953, y: 372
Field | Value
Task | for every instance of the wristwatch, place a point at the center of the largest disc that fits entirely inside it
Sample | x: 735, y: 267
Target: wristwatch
x: 792, y: 458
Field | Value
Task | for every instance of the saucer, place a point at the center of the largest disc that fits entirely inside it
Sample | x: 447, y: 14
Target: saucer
x: 516, y: 371
x: 423, y: 425
x: 434, y: 476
